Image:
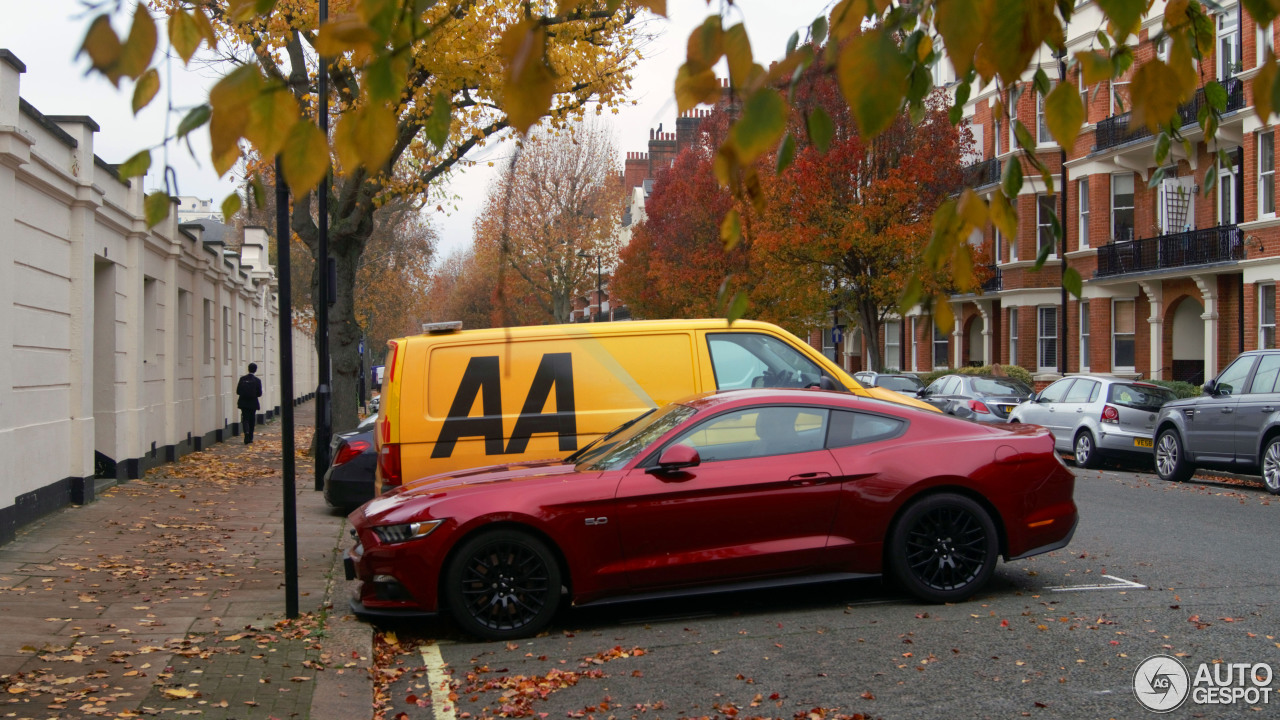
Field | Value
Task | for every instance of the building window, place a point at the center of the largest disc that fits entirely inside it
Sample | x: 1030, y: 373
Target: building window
x: 995, y: 139
x: 226, y: 335
x: 1266, y: 43
x: 1083, y: 194
x: 939, y: 348
x: 1227, y: 205
x: 1267, y: 173
x: 1228, y: 44
x: 915, y: 334
x: 1123, y: 351
x: 1013, y: 336
x: 1043, y: 136
x: 1084, y: 335
x: 1015, y: 93
x: 1047, y: 339
x: 151, y: 323
x: 184, y: 329
x: 893, y: 346
x: 1084, y: 98
x: 1266, y: 317
x: 1044, y: 225
x: 1120, y: 93
x: 1122, y: 207
x: 208, y: 332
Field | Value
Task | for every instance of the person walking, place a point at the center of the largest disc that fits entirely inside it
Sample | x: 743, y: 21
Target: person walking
x: 248, y: 390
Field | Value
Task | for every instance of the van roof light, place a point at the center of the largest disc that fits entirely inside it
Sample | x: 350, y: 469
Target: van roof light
x: 441, y: 327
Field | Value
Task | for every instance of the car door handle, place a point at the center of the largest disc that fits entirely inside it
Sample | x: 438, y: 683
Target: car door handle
x: 1268, y: 408
x: 1227, y: 409
x: 810, y: 478
x: 1079, y: 410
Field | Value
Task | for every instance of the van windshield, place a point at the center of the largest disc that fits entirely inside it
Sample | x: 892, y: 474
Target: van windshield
x: 619, y: 447
x: 746, y: 360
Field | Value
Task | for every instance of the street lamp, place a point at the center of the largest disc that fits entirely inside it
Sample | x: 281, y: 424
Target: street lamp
x: 599, y: 283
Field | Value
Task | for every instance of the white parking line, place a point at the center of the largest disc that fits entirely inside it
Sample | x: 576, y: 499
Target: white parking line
x: 1119, y: 584
x: 438, y: 683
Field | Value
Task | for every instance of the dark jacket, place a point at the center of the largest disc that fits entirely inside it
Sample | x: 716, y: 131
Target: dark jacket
x: 249, y: 389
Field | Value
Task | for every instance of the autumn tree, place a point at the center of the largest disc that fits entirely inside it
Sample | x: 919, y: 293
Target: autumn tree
x: 462, y: 289
x: 847, y: 224
x: 675, y: 263
x: 394, y: 274
x: 556, y: 209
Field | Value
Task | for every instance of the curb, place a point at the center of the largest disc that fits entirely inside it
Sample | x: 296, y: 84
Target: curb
x: 346, y: 692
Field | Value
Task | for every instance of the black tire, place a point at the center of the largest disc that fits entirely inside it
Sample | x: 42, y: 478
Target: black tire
x: 502, y: 584
x: 943, y: 548
x: 1085, y: 449
x: 1171, y: 458
x: 1271, y: 465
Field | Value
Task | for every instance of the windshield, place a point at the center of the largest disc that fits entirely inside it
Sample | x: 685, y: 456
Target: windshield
x: 1000, y: 386
x: 891, y: 382
x: 607, y: 436
x: 622, y: 446
x: 1142, y: 397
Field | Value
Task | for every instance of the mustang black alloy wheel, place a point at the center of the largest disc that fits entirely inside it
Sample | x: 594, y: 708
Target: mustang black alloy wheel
x: 943, y: 548
x: 502, y: 584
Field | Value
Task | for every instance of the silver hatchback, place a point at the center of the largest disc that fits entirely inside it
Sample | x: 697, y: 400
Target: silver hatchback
x: 1093, y: 416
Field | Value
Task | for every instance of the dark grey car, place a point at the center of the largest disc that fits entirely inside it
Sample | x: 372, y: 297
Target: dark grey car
x: 983, y: 398
x: 1235, y: 424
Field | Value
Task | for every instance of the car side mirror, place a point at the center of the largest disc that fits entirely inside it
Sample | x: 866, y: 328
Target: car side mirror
x: 922, y: 392
x: 1033, y: 397
x: 1210, y: 388
x: 826, y: 383
x: 674, y: 458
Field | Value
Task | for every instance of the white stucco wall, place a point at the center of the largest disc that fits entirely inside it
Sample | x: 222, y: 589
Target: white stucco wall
x: 103, y: 321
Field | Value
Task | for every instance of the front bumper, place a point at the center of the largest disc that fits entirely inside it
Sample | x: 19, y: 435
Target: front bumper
x: 396, y: 579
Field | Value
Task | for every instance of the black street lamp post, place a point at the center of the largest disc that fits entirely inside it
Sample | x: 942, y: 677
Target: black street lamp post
x: 599, y: 284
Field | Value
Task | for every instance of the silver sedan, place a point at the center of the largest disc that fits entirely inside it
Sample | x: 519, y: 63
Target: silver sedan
x: 1093, y: 416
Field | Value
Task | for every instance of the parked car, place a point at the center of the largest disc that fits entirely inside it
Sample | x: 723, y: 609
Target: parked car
x: 983, y: 398
x: 718, y: 492
x: 1095, y: 416
x: 348, y: 483
x: 898, y: 382
x: 1235, y: 424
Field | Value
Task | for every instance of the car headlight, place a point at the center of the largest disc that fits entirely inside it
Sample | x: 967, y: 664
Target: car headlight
x: 389, y: 534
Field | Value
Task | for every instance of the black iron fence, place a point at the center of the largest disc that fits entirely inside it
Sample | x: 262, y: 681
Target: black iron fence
x: 1116, y: 129
x: 982, y: 173
x: 1195, y: 247
x: 993, y: 282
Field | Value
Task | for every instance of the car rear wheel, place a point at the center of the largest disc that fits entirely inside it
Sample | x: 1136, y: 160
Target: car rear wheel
x: 502, y: 584
x: 943, y: 548
x: 1171, y: 461
x: 1271, y: 466
x: 1085, y: 450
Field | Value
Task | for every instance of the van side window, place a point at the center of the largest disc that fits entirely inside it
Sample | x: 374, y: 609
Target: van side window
x: 746, y: 360
x: 855, y: 428
x: 758, y: 432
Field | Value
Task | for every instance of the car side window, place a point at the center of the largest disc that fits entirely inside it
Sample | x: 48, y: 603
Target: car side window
x: 742, y: 360
x: 950, y: 386
x: 1231, y: 381
x: 935, y: 387
x: 854, y: 428
x: 1081, y: 391
x: 758, y: 432
x: 1055, y: 392
x: 1264, y: 378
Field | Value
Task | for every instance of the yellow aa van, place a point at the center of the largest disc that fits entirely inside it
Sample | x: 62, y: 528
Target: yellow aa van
x: 455, y: 399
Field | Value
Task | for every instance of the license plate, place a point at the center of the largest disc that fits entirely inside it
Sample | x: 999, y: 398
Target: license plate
x: 1143, y: 442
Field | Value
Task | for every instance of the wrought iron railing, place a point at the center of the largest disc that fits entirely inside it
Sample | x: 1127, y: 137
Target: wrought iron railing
x: 1205, y: 246
x: 1116, y: 130
x: 982, y: 173
x: 993, y: 282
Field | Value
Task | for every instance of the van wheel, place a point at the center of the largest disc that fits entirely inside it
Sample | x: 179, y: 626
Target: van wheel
x: 1171, y: 461
x: 1085, y: 450
x: 943, y: 548
x: 1271, y: 466
x: 502, y: 584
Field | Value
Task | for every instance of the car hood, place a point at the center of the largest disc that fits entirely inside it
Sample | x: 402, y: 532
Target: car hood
x: 435, y: 486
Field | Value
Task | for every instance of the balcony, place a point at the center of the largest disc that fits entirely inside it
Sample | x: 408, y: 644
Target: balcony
x: 1224, y: 243
x: 982, y: 173
x: 1115, y: 130
x: 993, y: 282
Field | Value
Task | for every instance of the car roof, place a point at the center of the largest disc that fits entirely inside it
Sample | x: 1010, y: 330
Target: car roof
x: 804, y: 396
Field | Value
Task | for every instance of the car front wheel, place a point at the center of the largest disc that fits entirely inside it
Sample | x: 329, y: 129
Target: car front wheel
x: 502, y: 584
x: 943, y: 548
x: 1171, y: 461
x: 1271, y: 466
x: 1085, y: 450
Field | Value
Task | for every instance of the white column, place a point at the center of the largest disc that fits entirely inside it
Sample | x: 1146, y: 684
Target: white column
x: 174, y: 431
x: 1155, y: 298
x: 957, y: 336
x: 985, y: 308
x: 1208, y: 285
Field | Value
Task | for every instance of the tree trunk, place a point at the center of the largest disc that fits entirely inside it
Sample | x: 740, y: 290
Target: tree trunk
x: 869, y: 320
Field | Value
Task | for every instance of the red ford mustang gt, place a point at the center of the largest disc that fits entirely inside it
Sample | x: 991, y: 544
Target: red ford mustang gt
x: 722, y: 491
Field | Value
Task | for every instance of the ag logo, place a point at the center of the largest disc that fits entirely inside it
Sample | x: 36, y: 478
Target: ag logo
x: 1161, y: 683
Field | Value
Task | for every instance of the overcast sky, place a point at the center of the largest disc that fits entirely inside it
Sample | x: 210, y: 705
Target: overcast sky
x: 46, y: 35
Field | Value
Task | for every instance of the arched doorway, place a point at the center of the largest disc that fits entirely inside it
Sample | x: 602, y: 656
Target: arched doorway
x: 973, y: 342
x: 1187, y: 330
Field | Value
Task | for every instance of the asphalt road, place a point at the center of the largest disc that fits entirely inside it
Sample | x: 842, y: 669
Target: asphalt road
x: 1187, y: 570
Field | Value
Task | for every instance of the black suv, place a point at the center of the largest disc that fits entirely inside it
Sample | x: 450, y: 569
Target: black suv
x: 1235, y: 424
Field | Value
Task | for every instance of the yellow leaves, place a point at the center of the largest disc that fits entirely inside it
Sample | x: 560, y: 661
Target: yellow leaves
x: 706, y: 43
x: 737, y: 50
x: 1064, y: 113
x: 305, y: 157
x: 345, y: 33
x: 763, y: 121
x: 135, y: 166
x: 179, y: 693
x: 528, y: 83
x: 961, y: 24
x: 731, y: 230
x: 696, y: 82
x: 187, y: 30
x: 695, y: 87
x: 1155, y: 94
x: 117, y: 59
x: 103, y: 48
x: 156, y: 207
x: 872, y: 73
x: 1264, y: 95
x: 145, y: 89
x: 272, y: 115
x: 1124, y: 15
x: 229, y: 100
x: 1003, y: 215
x: 1015, y: 31
x: 1094, y: 67
x: 365, y: 136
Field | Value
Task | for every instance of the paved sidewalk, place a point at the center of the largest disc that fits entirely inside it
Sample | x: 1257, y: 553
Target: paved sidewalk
x: 166, y: 598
